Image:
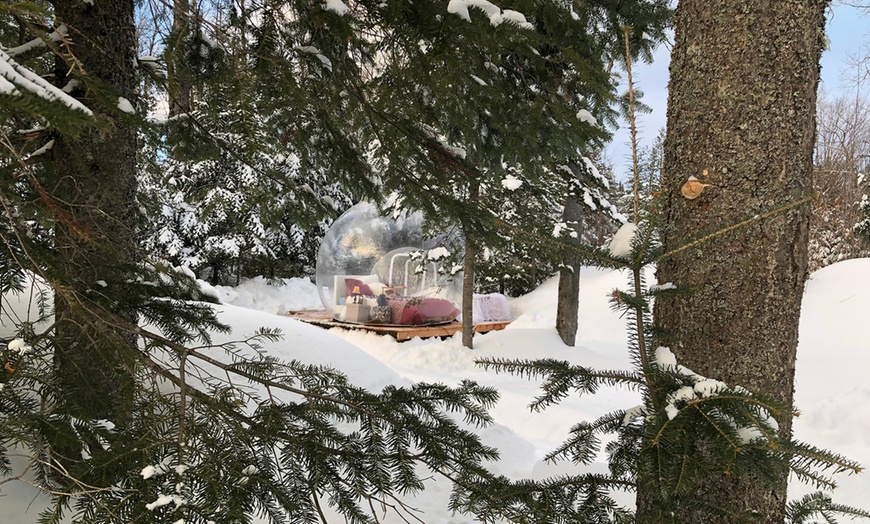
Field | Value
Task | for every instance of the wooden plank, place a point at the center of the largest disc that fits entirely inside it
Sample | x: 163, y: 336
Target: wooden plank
x: 320, y: 318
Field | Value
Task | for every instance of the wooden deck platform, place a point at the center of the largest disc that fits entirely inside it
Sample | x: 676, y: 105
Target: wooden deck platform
x: 401, y: 333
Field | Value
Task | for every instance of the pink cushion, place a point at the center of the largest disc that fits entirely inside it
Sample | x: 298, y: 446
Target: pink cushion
x: 398, y: 306
x: 429, y: 311
x: 364, y: 289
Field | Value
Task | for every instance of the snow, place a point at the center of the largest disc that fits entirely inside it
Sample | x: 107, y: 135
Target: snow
x: 494, y: 13
x: 516, y: 17
x: 327, y: 63
x: 662, y: 287
x: 14, y: 78
x: 511, y: 183
x: 595, y: 172
x: 832, y: 391
x: 148, y: 472
x: 163, y: 500
x: 42, y: 150
x: 18, y: 346
x: 125, y: 105
x: 277, y: 296
x: 38, y: 43
x: 460, y: 8
x: 620, y: 246
x: 457, y: 151
x: 665, y: 358
x: 585, y: 116
x: 709, y: 387
x: 336, y: 6
x: 438, y: 253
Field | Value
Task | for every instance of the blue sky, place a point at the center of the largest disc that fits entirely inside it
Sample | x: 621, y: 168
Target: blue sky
x: 847, y: 30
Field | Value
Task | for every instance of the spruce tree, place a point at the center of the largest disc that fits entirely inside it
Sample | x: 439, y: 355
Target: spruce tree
x: 741, y: 323
x: 689, y: 429
x: 108, y: 401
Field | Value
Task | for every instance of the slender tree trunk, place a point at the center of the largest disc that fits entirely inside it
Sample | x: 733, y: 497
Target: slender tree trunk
x: 95, y: 231
x: 741, y: 116
x: 468, y: 275
x: 568, y: 306
x: 179, y: 86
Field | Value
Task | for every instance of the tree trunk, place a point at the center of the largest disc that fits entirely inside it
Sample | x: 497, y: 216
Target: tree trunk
x: 568, y: 305
x: 95, y: 231
x: 741, y: 116
x: 179, y: 86
x: 468, y: 275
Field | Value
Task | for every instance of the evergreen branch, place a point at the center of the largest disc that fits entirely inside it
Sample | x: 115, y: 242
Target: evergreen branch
x: 820, y: 503
x: 235, y: 370
x: 748, y: 221
x: 766, y: 404
x: 679, y: 480
x: 646, y: 367
x: 581, y: 448
x: 806, y: 475
x: 588, y: 254
x: 41, y: 44
x: 546, y: 367
x: 82, y: 488
x: 560, y: 377
x: 820, y: 458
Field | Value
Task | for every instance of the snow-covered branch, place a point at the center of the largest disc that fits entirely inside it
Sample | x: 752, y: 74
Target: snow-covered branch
x: 37, y: 45
x: 16, y: 79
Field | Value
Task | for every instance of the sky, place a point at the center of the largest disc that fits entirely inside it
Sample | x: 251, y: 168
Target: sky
x: 848, y: 31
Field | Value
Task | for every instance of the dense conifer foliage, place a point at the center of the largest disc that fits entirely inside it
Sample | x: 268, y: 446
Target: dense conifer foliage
x: 280, y: 113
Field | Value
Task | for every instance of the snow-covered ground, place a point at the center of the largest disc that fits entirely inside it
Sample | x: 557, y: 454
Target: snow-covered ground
x: 832, y: 394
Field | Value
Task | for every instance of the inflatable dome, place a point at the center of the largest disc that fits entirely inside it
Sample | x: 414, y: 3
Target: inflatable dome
x: 391, y: 251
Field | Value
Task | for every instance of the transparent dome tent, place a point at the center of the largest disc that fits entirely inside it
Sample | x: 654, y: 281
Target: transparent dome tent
x: 395, y: 250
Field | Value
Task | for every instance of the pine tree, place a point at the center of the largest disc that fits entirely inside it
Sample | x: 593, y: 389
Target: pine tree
x: 109, y: 401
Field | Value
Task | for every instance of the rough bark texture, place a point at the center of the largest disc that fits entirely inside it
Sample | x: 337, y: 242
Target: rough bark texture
x: 742, y: 102
x: 95, y: 232
x: 568, y: 305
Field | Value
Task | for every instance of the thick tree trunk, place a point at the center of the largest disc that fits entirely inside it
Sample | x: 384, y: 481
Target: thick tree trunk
x: 741, y: 116
x: 568, y: 306
x: 95, y: 232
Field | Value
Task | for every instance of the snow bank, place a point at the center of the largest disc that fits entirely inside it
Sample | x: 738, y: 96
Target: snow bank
x: 278, y: 296
x: 832, y: 390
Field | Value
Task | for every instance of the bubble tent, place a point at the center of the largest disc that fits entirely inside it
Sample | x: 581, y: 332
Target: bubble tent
x: 364, y: 242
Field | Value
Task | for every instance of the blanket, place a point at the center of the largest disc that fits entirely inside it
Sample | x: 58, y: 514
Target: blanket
x: 417, y: 311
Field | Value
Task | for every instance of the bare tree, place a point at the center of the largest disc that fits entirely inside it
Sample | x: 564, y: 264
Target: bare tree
x: 842, y: 151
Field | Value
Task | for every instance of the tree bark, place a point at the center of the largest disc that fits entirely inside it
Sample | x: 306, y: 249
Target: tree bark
x: 179, y: 87
x: 468, y: 264
x: 568, y: 306
x: 741, y: 116
x: 95, y: 231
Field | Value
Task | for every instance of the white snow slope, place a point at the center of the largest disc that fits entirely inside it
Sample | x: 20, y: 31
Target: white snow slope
x: 832, y: 392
